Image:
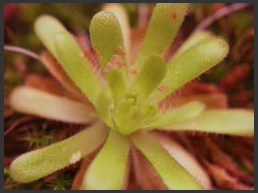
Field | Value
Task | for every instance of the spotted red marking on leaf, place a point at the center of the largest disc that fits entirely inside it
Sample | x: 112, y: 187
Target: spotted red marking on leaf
x: 134, y: 72
x: 96, y: 52
x: 107, y: 68
x: 162, y: 88
x: 174, y: 15
x: 120, y: 50
x: 115, y: 61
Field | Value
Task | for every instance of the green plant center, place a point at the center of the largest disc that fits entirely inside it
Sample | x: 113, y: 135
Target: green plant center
x: 130, y: 114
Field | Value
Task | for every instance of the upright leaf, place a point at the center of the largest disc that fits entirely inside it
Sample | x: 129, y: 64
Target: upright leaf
x: 122, y: 17
x: 149, y: 77
x: 46, y: 27
x: 116, y: 84
x: 107, y: 40
x: 80, y: 71
x: 66, y: 50
x: 106, y: 36
x: 165, y: 21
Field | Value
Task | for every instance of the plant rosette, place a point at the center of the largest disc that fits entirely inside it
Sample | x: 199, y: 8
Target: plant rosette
x: 126, y: 97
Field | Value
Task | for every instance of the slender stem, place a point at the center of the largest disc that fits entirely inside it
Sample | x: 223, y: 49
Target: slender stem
x: 221, y: 13
x: 22, y: 51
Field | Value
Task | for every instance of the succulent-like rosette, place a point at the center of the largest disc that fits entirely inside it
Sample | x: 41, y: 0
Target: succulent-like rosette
x: 120, y: 98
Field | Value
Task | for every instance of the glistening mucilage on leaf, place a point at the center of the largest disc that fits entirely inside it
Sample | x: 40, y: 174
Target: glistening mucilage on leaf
x: 126, y: 95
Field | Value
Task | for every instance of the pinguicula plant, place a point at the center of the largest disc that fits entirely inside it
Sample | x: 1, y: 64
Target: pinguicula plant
x: 126, y: 96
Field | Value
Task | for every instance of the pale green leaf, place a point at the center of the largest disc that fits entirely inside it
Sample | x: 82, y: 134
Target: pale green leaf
x: 193, y: 40
x: 116, y: 83
x: 66, y: 50
x: 122, y: 17
x: 165, y: 21
x: 150, y: 76
x: 191, y: 64
x: 188, y: 111
x: 109, y: 169
x: 46, y: 27
x: 211, y: 101
x: 129, y: 115
x: 42, y: 162
x: 174, y: 176
x: 35, y: 102
x: 76, y: 66
x: 103, y: 106
x: 80, y: 71
x: 57, y: 71
x: 185, y: 158
x: 107, y: 40
x: 231, y: 122
x: 106, y: 36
